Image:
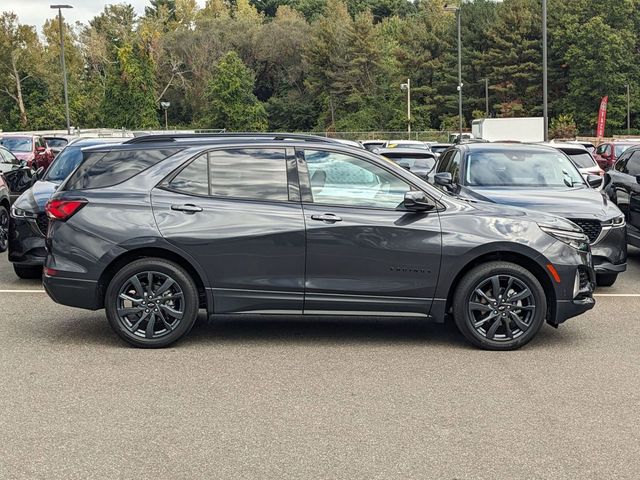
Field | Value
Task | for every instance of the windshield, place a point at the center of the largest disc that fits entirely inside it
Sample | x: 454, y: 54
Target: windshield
x: 64, y: 164
x: 16, y: 144
x: 521, y: 168
x: 56, y: 142
x: 582, y: 159
x: 620, y: 149
x: 413, y: 161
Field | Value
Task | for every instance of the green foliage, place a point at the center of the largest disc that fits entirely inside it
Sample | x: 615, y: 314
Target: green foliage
x: 563, y: 127
x: 231, y: 103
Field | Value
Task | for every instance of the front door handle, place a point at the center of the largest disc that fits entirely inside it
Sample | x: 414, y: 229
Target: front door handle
x: 327, y: 217
x: 188, y: 208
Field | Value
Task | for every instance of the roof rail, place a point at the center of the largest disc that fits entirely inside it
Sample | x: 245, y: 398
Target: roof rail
x: 170, y: 137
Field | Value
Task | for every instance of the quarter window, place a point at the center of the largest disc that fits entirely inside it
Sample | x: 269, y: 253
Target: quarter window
x: 194, y: 179
x: 343, y: 180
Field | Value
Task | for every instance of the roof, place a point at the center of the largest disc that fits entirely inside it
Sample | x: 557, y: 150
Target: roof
x: 88, y: 142
x: 406, y: 151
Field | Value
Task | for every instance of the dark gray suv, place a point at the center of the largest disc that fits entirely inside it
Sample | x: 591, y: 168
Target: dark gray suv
x: 155, y: 229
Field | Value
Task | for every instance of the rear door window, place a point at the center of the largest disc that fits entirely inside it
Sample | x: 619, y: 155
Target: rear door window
x: 633, y: 164
x: 100, y: 170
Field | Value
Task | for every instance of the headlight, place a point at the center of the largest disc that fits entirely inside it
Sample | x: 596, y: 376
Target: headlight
x: 577, y: 240
x: 615, y: 222
x: 19, y: 213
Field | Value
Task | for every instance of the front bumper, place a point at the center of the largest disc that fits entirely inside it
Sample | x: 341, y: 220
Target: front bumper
x: 26, y: 242
x: 610, y: 251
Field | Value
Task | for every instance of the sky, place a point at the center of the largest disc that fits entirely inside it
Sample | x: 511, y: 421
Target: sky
x: 35, y: 12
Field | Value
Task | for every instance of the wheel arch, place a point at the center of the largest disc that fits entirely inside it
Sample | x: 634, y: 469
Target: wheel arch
x: 518, y: 258
x: 156, y: 252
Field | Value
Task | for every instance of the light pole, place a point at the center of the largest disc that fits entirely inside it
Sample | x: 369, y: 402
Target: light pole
x: 486, y: 97
x: 628, y: 109
x: 545, y: 86
x: 165, y: 106
x: 457, y: 11
x: 407, y: 87
x: 64, y: 67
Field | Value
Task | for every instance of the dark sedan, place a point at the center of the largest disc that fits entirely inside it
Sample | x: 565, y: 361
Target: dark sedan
x: 29, y: 222
x: 540, y: 178
x: 622, y: 186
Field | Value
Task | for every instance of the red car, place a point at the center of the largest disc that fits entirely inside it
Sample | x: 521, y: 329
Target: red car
x: 32, y: 148
x: 607, y: 153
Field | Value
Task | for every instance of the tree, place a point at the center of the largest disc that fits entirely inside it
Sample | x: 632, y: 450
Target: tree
x: 231, y: 103
x: 19, y: 49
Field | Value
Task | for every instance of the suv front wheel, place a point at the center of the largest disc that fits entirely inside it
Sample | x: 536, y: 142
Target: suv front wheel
x: 499, y: 306
x: 151, y: 303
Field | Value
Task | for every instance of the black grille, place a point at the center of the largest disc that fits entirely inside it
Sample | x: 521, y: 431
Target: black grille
x: 43, y: 223
x: 591, y: 228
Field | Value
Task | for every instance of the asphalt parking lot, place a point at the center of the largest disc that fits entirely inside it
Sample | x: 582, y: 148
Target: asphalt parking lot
x: 317, y: 399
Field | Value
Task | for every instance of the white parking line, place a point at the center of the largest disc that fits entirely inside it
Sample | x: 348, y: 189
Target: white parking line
x: 22, y: 291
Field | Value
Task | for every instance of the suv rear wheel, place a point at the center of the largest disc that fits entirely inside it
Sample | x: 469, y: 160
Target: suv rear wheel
x: 499, y: 306
x: 151, y: 303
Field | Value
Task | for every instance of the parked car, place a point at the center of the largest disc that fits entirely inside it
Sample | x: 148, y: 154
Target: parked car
x: 32, y: 148
x: 294, y: 224
x: 582, y: 159
x: 372, y: 145
x: 57, y: 143
x: 622, y: 186
x: 8, y: 160
x: 4, y: 214
x: 538, y: 177
x: 29, y: 221
x: 419, y: 162
x: 607, y: 153
x: 439, y: 148
x: 405, y: 144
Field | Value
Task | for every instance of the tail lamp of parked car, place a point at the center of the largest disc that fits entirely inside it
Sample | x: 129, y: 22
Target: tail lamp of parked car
x: 63, y: 209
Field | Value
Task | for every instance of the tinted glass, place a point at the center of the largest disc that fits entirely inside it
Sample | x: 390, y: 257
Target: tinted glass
x: 582, y: 159
x: 194, y: 179
x: 338, y: 179
x: 252, y: 173
x: 423, y: 162
x: 444, y: 162
x: 454, y: 166
x: 56, y: 142
x: 436, y: 149
x: 520, y: 168
x: 17, y: 144
x: 620, y: 149
x: 100, y: 170
x: 633, y: 164
x: 64, y: 164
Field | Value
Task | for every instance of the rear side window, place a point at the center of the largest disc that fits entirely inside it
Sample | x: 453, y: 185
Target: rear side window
x: 248, y: 174
x: 100, y: 170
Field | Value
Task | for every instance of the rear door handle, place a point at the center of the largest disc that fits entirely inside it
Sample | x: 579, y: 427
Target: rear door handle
x: 327, y: 217
x: 188, y: 208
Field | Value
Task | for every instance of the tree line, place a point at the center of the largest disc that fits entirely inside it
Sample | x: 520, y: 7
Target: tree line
x: 320, y: 65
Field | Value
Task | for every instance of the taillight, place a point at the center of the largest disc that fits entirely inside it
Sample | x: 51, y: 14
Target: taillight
x: 63, y: 209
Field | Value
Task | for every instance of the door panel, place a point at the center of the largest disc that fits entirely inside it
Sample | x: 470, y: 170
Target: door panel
x: 371, y: 261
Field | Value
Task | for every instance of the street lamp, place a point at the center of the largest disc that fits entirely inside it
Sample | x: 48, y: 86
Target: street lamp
x: 64, y: 67
x: 457, y: 11
x: 486, y: 97
x: 165, y: 106
x: 545, y: 76
x: 407, y: 87
x: 628, y: 109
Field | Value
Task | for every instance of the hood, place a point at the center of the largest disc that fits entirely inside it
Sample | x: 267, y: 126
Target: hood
x: 34, y: 199
x: 564, y: 202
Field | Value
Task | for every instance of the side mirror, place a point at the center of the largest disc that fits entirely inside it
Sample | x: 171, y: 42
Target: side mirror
x: 417, y: 202
x: 444, y: 179
x: 595, y: 181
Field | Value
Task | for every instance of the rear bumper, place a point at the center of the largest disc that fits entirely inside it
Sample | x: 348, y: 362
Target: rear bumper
x: 73, y: 292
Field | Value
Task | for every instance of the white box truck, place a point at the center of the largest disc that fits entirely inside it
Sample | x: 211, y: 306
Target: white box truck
x: 526, y: 129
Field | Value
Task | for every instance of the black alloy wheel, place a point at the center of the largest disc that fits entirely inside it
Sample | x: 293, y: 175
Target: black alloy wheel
x: 4, y: 228
x: 152, y: 303
x: 499, y: 306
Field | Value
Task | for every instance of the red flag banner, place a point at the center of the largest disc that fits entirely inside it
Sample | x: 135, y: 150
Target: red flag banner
x: 602, y: 116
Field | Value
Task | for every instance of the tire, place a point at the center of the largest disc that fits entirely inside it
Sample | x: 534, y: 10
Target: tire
x: 4, y: 228
x: 475, y: 315
x: 606, y: 279
x: 152, y: 317
x: 27, y: 272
